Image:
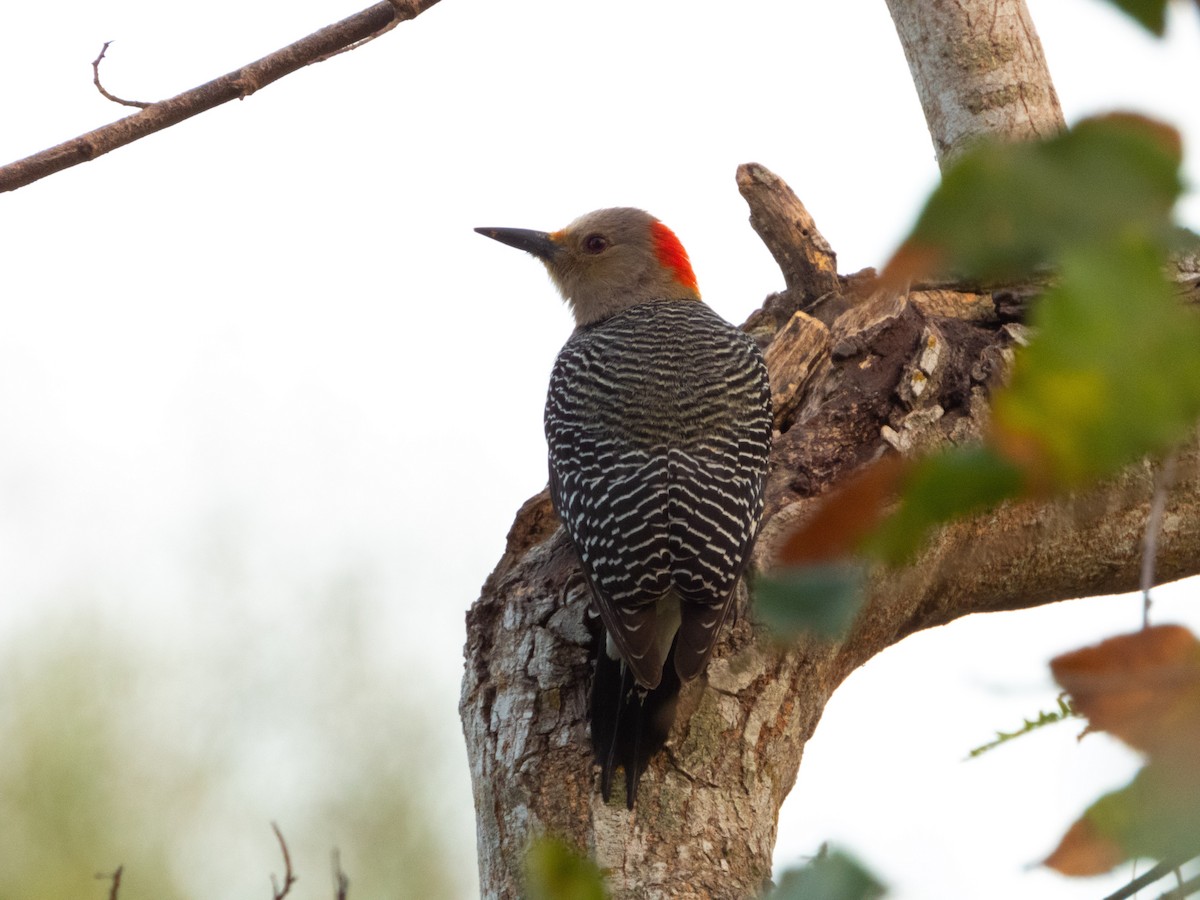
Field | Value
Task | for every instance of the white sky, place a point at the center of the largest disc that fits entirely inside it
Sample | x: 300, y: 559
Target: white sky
x: 263, y: 353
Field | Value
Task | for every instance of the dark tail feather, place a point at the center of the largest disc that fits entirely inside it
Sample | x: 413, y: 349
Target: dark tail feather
x: 629, y: 723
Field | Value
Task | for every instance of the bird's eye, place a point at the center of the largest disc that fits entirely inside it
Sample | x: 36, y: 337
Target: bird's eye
x: 595, y: 243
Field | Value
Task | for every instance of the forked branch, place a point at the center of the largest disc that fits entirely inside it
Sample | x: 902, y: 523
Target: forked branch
x: 236, y: 85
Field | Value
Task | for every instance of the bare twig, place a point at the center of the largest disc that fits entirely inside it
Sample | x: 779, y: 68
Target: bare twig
x: 289, y: 877
x: 235, y: 85
x: 341, y: 881
x: 96, y: 81
x: 1147, y: 878
x: 115, y: 878
x: 1186, y: 889
x: 1158, y: 503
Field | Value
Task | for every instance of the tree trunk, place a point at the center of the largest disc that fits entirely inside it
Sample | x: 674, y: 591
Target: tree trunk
x: 979, y: 70
x: 856, y: 372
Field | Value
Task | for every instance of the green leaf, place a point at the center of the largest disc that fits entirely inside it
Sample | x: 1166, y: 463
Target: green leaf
x: 942, y: 487
x: 553, y: 871
x: 835, y: 876
x: 1005, y: 210
x: 1155, y: 816
x: 1112, y: 373
x: 1151, y: 14
x: 819, y: 599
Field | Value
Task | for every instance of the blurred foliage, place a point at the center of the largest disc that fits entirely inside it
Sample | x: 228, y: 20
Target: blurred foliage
x: 835, y: 530
x: 1087, y: 396
x: 1151, y: 14
x: 73, y: 775
x: 1111, y: 375
x: 829, y: 876
x: 937, y: 488
x: 374, y: 787
x: 553, y: 871
x: 171, y: 761
x: 1004, y: 211
x: 821, y: 599
x: 1091, y: 392
x: 1144, y: 689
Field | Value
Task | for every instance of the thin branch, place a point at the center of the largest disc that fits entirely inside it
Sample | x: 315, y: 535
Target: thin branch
x: 96, y: 81
x: 289, y: 877
x: 1147, y: 878
x: 236, y: 85
x: 115, y: 878
x: 370, y: 37
x: 1162, y: 486
x: 341, y: 881
x: 1185, y: 889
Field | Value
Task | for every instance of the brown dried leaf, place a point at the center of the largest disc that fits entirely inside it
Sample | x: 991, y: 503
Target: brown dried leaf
x: 1155, y: 816
x: 1144, y: 688
x: 846, y: 515
x: 1085, y: 851
x: 913, y: 261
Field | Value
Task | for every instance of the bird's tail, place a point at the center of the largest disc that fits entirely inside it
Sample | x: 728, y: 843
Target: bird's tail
x: 630, y: 723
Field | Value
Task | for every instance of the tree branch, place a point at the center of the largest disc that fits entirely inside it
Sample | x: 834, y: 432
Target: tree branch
x: 341, y: 881
x: 289, y: 876
x: 1147, y: 878
x: 979, y: 71
x: 808, y: 263
x: 114, y: 879
x: 236, y: 85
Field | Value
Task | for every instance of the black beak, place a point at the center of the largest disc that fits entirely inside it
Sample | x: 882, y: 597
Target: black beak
x: 538, y: 243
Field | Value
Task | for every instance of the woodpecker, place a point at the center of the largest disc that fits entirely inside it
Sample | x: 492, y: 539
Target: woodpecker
x: 658, y: 424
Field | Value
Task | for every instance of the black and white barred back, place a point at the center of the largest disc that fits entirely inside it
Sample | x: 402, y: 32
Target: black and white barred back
x: 658, y: 422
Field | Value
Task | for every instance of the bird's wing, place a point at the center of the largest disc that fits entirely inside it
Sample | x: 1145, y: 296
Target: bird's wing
x: 621, y: 535
x: 715, y: 509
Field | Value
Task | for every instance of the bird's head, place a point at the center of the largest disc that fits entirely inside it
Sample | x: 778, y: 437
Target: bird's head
x: 608, y: 261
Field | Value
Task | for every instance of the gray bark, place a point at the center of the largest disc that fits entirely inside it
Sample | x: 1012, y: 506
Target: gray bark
x: 979, y: 71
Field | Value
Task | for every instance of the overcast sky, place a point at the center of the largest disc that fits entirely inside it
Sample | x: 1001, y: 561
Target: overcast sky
x: 261, y: 360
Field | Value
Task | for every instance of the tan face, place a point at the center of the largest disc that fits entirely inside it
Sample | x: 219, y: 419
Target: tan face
x: 608, y: 261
